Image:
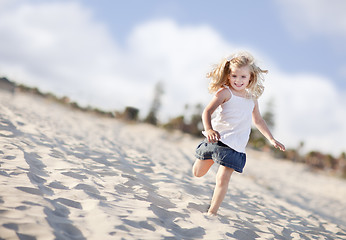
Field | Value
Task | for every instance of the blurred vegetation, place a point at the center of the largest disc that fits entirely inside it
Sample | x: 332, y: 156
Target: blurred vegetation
x: 191, y: 122
x: 152, y: 117
x: 191, y: 125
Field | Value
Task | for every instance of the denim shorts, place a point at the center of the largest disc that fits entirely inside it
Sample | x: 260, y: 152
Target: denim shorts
x: 221, y: 154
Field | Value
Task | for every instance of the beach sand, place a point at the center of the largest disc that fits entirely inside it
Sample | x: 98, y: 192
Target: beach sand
x: 67, y: 174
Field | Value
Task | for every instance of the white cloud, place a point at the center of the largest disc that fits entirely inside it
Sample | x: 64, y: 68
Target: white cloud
x: 179, y: 56
x: 56, y: 46
x: 60, y: 47
x: 322, y: 17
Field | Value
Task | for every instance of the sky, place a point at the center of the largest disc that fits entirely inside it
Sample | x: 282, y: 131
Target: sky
x: 110, y: 54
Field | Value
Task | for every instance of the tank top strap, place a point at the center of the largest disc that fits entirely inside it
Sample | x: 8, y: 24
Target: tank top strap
x: 225, y: 86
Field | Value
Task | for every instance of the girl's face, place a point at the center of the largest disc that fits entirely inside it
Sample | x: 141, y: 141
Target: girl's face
x: 239, y: 79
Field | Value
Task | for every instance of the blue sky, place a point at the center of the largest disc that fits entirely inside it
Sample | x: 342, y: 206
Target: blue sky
x: 110, y: 54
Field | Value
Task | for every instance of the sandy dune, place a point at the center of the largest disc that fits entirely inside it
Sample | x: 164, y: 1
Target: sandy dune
x: 70, y: 175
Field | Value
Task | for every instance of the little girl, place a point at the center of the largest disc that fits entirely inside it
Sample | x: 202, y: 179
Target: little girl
x: 237, y: 82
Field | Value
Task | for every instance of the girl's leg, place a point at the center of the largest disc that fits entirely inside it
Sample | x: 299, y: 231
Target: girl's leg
x: 222, y: 179
x: 201, y: 167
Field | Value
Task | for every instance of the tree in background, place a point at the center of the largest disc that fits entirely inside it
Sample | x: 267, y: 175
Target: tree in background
x: 196, y: 125
x: 155, y: 105
x: 190, y: 122
x: 130, y: 114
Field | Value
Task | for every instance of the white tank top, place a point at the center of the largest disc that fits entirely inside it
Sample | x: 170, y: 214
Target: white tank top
x: 233, y: 121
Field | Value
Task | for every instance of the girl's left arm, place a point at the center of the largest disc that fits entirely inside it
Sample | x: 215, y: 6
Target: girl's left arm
x: 263, y: 128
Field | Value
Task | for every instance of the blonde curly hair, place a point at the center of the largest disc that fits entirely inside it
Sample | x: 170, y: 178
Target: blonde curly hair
x: 219, y: 74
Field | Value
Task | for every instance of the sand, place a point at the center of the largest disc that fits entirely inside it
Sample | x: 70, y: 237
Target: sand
x: 67, y: 174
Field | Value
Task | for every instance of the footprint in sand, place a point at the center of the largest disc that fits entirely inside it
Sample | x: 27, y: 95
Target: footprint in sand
x: 91, y: 191
x: 30, y: 190
x: 75, y: 175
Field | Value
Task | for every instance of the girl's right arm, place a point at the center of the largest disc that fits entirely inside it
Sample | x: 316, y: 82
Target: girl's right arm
x: 219, y: 98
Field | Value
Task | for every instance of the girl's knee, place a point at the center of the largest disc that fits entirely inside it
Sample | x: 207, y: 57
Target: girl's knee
x: 197, y: 171
x: 201, y: 167
x: 222, y: 180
